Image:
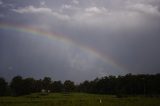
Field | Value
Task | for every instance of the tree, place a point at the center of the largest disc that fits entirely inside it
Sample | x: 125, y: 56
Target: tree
x: 84, y: 87
x: 69, y: 86
x: 28, y: 85
x: 57, y: 86
x: 38, y: 85
x: 47, y: 83
x: 3, y: 87
x: 20, y: 86
x: 17, y: 86
x: 129, y: 84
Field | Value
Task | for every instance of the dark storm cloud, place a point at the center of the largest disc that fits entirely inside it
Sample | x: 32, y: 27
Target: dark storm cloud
x: 125, y: 30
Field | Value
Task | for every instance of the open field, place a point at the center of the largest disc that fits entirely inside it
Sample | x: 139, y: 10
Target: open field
x: 77, y: 99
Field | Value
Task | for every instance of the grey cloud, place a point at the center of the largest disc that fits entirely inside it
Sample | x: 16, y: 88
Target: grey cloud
x: 1, y: 2
x: 125, y: 30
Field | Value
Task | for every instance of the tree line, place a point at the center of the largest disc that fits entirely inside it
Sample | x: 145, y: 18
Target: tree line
x: 142, y: 84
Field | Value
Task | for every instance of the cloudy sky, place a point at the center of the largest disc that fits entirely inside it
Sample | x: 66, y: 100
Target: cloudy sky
x: 91, y: 38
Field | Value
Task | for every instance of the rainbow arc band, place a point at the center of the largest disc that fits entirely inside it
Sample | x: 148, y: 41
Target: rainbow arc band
x: 64, y: 40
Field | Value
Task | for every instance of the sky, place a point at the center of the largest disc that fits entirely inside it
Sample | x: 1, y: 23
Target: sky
x: 79, y: 39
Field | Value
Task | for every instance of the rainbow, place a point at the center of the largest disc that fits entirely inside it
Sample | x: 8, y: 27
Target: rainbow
x: 64, y: 40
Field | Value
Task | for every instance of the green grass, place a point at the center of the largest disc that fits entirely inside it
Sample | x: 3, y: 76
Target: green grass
x: 77, y: 99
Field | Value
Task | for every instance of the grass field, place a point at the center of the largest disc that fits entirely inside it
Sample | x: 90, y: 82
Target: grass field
x: 77, y: 99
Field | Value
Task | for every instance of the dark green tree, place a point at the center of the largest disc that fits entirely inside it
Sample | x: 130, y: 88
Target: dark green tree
x: 57, y: 86
x: 17, y: 86
x: 28, y: 85
x: 38, y: 85
x: 47, y: 83
x: 69, y: 86
x: 3, y: 87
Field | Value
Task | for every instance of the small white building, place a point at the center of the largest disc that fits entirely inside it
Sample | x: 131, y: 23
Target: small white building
x: 45, y: 92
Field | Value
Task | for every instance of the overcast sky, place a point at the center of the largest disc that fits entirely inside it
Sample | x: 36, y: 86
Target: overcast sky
x: 106, y: 37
